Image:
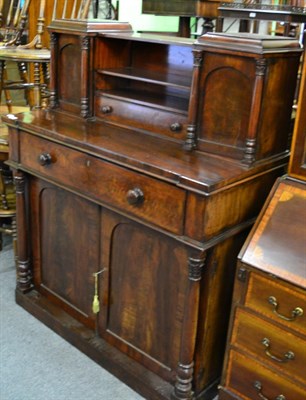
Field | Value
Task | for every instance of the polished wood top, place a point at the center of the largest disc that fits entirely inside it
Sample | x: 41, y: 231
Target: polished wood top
x: 278, y: 242
x: 197, y: 171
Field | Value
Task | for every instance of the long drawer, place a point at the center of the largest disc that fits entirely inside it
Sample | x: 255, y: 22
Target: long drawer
x: 277, y: 301
x: 152, y: 200
x: 140, y: 116
x: 271, y: 344
x: 251, y: 380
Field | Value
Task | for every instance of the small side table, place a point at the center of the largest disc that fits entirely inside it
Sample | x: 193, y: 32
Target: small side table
x: 261, y: 12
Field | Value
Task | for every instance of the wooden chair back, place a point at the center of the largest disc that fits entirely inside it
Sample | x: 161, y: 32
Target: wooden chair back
x: 71, y: 9
x: 53, y: 9
x: 13, y: 20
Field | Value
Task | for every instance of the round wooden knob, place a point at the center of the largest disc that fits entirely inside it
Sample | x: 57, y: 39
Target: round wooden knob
x: 135, y: 196
x: 176, y: 127
x: 44, y: 159
x: 106, y: 109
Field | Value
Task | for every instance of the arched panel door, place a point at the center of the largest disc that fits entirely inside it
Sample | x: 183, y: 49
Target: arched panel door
x: 65, y: 248
x: 143, y: 291
x: 224, y: 109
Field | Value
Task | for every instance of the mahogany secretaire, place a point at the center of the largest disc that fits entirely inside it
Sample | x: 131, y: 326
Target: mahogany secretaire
x: 266, y: 351
x: 136, y: 191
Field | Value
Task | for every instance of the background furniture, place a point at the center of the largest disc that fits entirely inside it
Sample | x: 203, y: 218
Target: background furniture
x: 185, y: 9
x: 266, y: 350
x: 104, y: 9
x: 7, y: 197
x: 13, y: 32
x: 256, y: 11
x: 33, y: 58
x: 129, y: 218
x: 65, y: 10
x: 23, y: 55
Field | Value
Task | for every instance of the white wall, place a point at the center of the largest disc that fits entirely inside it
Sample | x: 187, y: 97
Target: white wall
x: 130, y: 11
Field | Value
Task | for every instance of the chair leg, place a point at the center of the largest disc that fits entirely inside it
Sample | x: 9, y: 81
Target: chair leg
x: 8, y: 98
x: 46, y: 85
x: 14, y: 236
x: 12, y: 231
x: 37, y: 86
x: 3, y: 78
x: 23, y: 73
x: 2, y: 65
x: 4, y: 202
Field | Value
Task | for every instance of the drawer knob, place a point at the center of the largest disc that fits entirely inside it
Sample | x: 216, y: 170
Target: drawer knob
x: 297, y: 312
x: 258, y: 387
x: 106, y: 109
x: 289, y: 355
x: 176, y: 127
x: 135, y: 196
x: 44, y: 159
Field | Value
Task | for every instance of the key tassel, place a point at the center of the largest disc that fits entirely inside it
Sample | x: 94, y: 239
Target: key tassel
x: 96, y: 302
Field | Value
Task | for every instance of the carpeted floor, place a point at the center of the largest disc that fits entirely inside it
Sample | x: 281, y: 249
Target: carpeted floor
x: 37, y: 364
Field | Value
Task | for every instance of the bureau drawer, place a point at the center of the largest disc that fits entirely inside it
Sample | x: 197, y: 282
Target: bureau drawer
x: 169, y: 123
x: 282, y: 303
x: 251, y: 380
x: 272, y: 344
x: 150, y: 199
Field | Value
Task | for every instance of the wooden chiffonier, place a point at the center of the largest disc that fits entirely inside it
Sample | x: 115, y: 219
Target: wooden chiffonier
x: 136, y: 191
x: 266, y: 351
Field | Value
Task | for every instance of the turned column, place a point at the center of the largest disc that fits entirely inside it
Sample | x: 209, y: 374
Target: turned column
x: 53, y: 101
x: 184, y: 376
x: 251, y: 142
x: 190, y: 142
x: 24, y: 276
x: 85, y: 45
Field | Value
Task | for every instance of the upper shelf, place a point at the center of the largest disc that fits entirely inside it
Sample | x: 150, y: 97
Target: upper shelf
x: 137, y: 74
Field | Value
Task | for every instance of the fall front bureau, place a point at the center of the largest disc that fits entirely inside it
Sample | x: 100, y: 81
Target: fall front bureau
x: 266, y: 351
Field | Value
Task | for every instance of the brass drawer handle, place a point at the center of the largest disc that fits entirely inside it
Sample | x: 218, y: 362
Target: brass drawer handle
x: 106, y: 109
x: 258, y: 387
x: 135, y: 196
x: 289, y: 355
x: 297, y: 312
x: 176, y: 127
x: 45, y: 159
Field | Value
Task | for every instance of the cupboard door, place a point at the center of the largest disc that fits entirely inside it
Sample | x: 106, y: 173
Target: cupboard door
x: 143, y: 290
x: 65, y: 247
